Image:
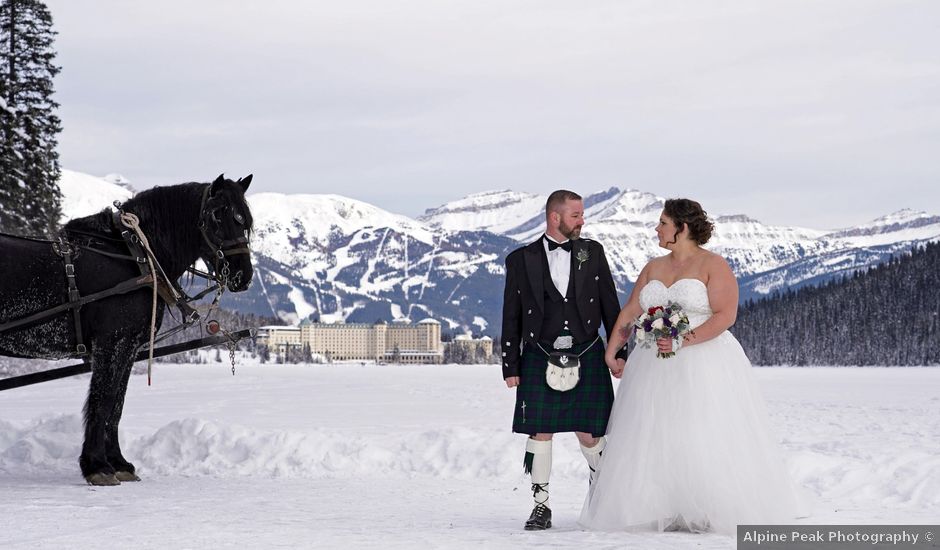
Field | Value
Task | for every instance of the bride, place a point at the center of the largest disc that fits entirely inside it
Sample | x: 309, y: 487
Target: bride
x: 689, y: 440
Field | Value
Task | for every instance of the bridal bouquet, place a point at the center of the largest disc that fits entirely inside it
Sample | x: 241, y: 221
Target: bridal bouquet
x: 662, y: 322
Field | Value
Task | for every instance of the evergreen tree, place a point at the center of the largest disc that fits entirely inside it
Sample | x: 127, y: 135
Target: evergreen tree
x: 307, y: 355
x: 887, y: 315
x: 479, y: 356
x: 30, y: 200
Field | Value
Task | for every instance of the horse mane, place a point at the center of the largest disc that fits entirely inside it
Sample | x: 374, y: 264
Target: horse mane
x: 163, y: 211
x: 95, y: 223
x: 168, y: 217
x: 180, y: 201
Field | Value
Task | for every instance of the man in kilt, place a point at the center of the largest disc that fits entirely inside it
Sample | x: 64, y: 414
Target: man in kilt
x: 559, y: 291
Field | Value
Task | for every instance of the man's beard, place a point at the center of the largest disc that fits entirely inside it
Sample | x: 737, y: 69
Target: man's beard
x: 573, y: 233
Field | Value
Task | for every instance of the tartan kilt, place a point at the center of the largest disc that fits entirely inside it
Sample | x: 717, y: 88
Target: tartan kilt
x: 584, y: 408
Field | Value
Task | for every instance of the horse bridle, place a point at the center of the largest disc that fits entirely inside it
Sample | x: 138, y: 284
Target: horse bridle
x: 222, y: 250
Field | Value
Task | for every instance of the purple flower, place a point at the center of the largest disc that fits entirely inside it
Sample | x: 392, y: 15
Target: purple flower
x: 667, y: 322
x: 647, y: 325
x: 674, y: 332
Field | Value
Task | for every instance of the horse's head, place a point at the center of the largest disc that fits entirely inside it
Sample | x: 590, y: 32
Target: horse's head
x: 225, y: 221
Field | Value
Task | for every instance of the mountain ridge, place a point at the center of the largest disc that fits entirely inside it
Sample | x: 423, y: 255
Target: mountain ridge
x: 335, y: 258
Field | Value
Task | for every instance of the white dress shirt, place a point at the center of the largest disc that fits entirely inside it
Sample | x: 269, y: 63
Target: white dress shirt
x: 559, y: 265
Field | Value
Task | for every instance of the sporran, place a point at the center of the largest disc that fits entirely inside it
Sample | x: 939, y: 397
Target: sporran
x: 564, y: 368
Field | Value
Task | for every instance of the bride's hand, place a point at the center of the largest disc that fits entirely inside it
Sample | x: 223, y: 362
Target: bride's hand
x: 664, y: 345
x: 610, y: 360
x: 618, y: 370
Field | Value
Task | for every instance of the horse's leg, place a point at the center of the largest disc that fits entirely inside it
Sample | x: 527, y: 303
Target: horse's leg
x: 108, y: 361
x: 124, y: 470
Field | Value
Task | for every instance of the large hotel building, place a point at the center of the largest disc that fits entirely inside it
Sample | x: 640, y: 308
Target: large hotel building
x: 380, y: 342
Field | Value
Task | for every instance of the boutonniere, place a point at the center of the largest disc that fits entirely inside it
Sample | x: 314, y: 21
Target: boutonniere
x: 582, y: 257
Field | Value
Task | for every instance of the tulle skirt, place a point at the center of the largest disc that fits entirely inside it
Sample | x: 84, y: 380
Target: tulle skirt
x: 690, y: 444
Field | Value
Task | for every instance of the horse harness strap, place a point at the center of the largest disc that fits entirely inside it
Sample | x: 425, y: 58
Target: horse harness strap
x: 121, y: 288
x: 167, y: 292
x: 132, y: 242
x: 65, y: 250
x: 113, y: 255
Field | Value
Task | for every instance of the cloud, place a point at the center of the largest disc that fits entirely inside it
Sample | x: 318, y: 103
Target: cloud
x: 410, y: 103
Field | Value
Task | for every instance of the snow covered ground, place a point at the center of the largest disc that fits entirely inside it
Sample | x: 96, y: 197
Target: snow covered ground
x: 351, y: 456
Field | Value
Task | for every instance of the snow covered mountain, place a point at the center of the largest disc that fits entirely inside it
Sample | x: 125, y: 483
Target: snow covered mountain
x: 494, y: 211
x: 765, y: 257
x: 335, y: 258
x: 83, y: 194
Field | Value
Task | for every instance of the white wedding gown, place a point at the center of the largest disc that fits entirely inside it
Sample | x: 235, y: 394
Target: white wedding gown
x: 689, y: 439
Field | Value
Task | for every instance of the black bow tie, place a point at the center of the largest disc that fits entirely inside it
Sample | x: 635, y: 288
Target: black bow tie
x: 552, y: 245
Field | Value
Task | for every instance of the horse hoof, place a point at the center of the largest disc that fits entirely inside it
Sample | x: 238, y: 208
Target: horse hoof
x: 126, y: 476
x: 101, y: 480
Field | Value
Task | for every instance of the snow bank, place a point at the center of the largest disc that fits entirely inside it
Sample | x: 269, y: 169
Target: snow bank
x: 48, y: 444
x: 198, y: 447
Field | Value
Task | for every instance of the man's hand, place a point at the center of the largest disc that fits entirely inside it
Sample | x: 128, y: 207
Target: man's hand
x: 512, y: 381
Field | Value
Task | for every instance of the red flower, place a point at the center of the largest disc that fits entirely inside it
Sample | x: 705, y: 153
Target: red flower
x: 652, y: 310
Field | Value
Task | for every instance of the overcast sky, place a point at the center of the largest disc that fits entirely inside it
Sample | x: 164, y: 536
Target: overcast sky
x: 816, y: 113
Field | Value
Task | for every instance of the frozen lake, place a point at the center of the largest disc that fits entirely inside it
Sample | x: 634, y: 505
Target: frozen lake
x: 350, y: 456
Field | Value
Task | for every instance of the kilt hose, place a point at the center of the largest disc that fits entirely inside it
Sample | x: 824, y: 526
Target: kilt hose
x: 584, y: 408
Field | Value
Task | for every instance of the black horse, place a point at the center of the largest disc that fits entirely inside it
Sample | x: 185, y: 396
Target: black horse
x: 182, y: 223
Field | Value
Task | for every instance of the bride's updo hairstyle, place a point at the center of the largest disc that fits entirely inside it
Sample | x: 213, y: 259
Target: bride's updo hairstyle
x: 690, y: 213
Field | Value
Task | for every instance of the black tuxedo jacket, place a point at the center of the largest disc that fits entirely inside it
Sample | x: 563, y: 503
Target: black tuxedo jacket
x: 523, y: 298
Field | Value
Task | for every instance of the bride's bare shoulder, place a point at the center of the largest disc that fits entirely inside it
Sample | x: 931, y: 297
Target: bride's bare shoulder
x: 713, y: 258
x: 653, y: 266
x: 716, y: 264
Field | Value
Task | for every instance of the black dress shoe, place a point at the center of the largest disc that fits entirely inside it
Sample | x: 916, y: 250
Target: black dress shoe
x: 540, y: 519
